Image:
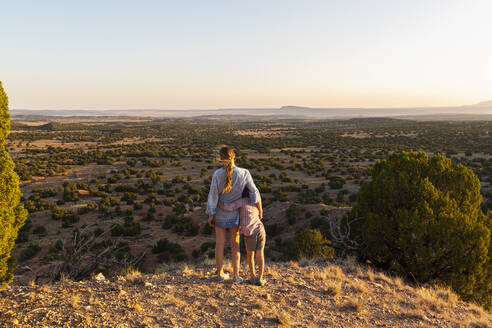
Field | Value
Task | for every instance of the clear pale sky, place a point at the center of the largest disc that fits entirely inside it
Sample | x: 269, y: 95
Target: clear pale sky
x: 214, y: 54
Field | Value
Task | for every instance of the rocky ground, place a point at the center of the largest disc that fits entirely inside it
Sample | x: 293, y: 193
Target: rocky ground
x: 305, y: 294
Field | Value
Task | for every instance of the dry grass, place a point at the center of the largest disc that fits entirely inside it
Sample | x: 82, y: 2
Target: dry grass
x: 93, y: 300
x: 384, y: 278
x: 474, y: 323
x: 350, y: 265
x: 75, y: 300
x: 398, y: 282
x: 358, y: 286
x: 174, y: 301
x: 321, y: 275
x: 429, y: 300
x: 44, y: 288
x: 333, y: 287
x: 186, y: 270
x: 294, y: 265
x: 135, y: 277
x: 370, y: 274
x: 476, y: 310
x: 447, y: 295
x: 352, y: 304
x: 335, y: 272
x: 413, y: 314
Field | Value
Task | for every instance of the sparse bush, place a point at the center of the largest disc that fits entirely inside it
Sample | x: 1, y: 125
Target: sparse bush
x: 129, y: 228
x: 39, y: 230
x: 206, y: 245
x: 66, y: 216
x: 422, y: 219
x: 309, y: 244
x: 168, y: 251
x: 336, y: 182
x: 30, y: 251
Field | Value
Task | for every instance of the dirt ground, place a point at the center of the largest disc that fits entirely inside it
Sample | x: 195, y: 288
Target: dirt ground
x: 306, y: 294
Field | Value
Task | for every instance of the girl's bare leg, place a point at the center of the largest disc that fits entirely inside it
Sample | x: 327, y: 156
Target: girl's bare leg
x: 220, y: 238
x: 236, y: 256
x: 251, y: 264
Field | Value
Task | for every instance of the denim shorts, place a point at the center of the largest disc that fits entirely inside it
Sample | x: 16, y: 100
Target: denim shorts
x: 226, y: 224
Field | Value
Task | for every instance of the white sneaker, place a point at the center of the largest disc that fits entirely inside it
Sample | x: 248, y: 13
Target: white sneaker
x: 237, y: 280
x: 223, y: 278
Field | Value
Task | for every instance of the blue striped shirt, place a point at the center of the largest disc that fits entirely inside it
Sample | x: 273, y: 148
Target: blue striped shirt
x: 241, y: 178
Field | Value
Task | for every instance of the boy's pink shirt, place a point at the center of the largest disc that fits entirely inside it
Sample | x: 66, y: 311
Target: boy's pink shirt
x: 249, y: 215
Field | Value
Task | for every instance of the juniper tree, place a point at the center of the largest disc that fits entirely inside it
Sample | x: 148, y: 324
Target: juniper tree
x: 12, y: 214
x: 422, y: 218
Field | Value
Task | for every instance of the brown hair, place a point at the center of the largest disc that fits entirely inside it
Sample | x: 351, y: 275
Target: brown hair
x: 226, y: 156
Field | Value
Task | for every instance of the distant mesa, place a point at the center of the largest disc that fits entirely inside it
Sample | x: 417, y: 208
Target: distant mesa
x: 483, y: 104
x: 294, y: 107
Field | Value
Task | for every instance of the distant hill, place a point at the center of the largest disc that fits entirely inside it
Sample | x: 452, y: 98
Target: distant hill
x: 483, y: 104
x: 291, y: 111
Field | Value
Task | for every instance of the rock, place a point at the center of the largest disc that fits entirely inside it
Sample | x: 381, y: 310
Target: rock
x: 99, y: 277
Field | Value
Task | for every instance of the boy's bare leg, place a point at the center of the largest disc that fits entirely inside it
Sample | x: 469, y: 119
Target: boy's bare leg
x: 260, y: 259
x: 236, y: 256
x: 220, y: 238
x: 251, y: 263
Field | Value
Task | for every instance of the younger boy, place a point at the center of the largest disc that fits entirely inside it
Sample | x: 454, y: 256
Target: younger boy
x: 252, y: 228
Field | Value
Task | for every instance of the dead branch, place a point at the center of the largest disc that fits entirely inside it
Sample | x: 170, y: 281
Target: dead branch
x: 79, y: 257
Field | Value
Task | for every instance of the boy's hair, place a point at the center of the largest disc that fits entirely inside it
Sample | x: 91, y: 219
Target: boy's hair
x: 245, y: 192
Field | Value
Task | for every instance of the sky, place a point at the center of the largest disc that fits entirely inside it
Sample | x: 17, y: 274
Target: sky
x: 184, y: 54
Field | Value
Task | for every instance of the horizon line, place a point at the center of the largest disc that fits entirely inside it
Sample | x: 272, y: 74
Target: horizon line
x: 257, y: 108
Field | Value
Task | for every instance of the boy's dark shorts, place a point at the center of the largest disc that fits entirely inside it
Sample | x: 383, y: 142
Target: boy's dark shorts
x: 256, y: 242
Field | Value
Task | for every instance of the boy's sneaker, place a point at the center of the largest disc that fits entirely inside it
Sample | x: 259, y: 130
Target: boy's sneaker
x: 261, y: 282
x: 253, y: 281
x: 237, y: 280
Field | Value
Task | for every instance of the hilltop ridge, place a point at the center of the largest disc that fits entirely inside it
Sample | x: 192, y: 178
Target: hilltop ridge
x: 305, y: 294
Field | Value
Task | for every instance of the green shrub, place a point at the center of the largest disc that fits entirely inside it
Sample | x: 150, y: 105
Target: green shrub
x: 206, y: 245
x: 195, y: 253
x: 309, y: 197
x: 170, y: 221
x: 68, y: 217
x: 129, y: 228
x: 273, y: 229
x: 422, y: 218
x: 291, y: 214
x: 30, y: 251
x: 12, y: 215
x: 169, y: 251
x: 309, y: 244
x: 39, y: 230
x: 336, y: 182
